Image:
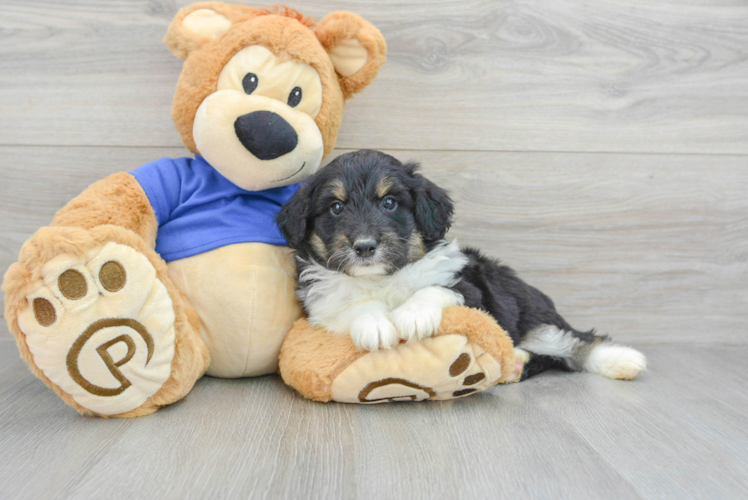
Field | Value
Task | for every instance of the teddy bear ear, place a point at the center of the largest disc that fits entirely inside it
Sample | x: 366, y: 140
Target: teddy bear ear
x: 357, y: 49
x: 200, y: 23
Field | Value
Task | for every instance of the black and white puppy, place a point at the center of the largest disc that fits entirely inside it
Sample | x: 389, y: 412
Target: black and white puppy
x: 373, y: 263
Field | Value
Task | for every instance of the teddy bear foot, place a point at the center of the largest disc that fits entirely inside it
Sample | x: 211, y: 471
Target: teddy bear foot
x: 444, y: 367
x: 470, y: 353
x: 100, y: 326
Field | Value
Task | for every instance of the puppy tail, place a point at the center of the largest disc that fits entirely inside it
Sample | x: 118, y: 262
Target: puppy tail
x: 571, y: 350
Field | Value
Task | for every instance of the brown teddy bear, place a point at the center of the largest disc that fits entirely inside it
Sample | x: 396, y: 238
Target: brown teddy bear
x: 149, y: 279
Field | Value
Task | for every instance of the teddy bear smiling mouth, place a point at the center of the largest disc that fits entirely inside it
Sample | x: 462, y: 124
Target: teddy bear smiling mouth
x: 286, y: 178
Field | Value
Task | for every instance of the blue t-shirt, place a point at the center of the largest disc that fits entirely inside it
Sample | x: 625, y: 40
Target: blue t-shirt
x: 199, y: 210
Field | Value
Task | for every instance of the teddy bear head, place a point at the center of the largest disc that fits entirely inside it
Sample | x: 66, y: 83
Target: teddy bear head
x: 262, y: 91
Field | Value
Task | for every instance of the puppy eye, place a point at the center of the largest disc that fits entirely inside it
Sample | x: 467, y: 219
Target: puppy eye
x: 249, y: 82
x: 389, y: 203
x: 294, y: 98
x: 336, y: 208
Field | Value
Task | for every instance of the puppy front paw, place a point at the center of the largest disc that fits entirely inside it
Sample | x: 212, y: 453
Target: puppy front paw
x: 416, y: 321
x: 371, y: 332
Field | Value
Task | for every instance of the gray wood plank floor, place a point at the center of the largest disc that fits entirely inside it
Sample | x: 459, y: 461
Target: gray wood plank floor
x: 677, y: 432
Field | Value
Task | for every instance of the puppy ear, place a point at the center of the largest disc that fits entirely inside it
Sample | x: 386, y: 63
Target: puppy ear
x: 433, y: 206
x: 357, y: 49
x: 293, y: 219
x: 200, y: 23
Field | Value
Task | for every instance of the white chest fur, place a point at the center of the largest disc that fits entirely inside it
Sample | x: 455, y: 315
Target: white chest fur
x: 330, y: 293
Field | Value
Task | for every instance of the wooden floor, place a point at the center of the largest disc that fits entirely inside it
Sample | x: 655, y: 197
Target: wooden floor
x: 678, y: 432
x: 600, y: 148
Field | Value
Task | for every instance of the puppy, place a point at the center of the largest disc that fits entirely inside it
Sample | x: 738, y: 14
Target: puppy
x: 368, y: 232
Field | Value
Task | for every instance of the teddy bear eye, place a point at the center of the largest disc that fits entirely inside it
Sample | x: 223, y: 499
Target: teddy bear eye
x: 249, y: 82
x: 294, y: 98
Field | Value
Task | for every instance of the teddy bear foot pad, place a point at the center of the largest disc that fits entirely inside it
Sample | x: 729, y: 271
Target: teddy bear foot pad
x: 101, y: 327
x: 444, y: 367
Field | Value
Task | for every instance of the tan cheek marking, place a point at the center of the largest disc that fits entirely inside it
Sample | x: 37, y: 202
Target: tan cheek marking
x: 417, y: 250
x: 338, y: 190
x: 318, y: 245
x: 383, y: 186
x: 341, y: 242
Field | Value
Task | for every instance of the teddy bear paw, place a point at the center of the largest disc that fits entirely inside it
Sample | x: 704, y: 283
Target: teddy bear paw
x: 101, y: 327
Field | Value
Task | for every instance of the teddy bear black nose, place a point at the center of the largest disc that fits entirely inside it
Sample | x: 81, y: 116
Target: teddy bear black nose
x: 265, y: 134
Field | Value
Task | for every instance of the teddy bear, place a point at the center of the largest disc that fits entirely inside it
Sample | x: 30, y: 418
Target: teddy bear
x: 152, y: 278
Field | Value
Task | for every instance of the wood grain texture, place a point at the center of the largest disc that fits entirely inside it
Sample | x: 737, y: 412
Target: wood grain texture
x: 647, y: 248
x: 533, y: 75
x: 673, y: 434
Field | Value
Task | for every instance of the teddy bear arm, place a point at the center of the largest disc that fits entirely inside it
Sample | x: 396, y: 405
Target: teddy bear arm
x: 118, y: 200
x: 92, y: 283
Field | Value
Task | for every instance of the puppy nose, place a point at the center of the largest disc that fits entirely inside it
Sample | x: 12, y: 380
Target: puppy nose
x: 265, y: 134
x: 365, y: 248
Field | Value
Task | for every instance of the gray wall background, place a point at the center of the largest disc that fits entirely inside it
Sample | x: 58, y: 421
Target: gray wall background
x: 600, y: 148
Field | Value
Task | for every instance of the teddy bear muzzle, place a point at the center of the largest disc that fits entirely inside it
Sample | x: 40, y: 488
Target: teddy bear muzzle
x: 266, y: 134
x: 255, y: 141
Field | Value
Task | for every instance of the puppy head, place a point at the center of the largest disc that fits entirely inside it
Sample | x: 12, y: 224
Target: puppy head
x: 366, y: 214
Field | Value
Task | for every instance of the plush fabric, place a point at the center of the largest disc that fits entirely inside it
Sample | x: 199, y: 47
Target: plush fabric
x: 102, y: 202
x: 339, y: 28
x: 182, y: 38
x: 22, y: 280
x: 470, y: 353
x: 286, y: 38
x: 80, y: 324
x: 137, y: 348
x: 198, y: 209
x: 256, y: 279
x: 222, y: 137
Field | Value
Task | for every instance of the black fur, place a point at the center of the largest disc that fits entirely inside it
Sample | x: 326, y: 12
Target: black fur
x: 518, y: 307
x: 424, y: 213
x: 422, y: 209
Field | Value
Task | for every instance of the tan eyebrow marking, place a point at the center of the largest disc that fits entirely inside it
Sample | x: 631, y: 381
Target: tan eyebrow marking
x: 337, y: 188
x: 384, y: 185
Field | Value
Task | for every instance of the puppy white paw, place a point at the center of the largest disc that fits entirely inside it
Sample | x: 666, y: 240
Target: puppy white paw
x: 416, y: 321
x: 521, y: 357
x: 373, y: 331
x: 616, y: 361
